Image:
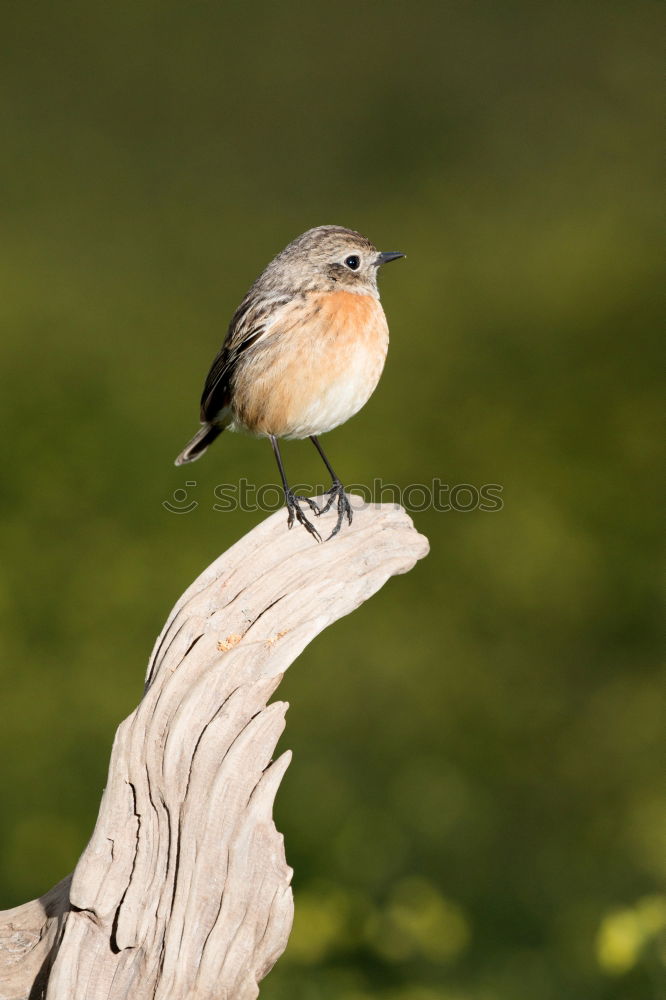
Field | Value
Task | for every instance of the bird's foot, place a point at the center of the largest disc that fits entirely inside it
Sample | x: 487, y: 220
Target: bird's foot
x: 296, y: 514
x: 336, y: 495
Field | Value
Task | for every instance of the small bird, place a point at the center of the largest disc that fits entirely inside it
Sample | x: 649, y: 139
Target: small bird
x: 303, y: 353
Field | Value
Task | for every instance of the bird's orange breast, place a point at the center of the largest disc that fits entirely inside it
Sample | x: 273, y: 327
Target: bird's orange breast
x: 317, y: 366
x: 346, y: 310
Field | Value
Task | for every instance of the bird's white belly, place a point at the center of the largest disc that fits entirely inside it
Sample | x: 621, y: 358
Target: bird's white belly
x: 341, y: 398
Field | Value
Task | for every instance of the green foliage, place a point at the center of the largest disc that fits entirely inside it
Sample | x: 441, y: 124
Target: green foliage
x: 475, y: 805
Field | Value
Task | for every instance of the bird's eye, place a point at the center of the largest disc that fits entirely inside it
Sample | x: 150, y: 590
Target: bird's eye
x: 353, y: 262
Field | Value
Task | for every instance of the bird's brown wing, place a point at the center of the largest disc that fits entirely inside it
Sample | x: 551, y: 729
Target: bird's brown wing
x: 251, y: 320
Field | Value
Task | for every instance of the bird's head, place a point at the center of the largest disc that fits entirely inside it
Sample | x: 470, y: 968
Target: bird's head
x: 332, y: 257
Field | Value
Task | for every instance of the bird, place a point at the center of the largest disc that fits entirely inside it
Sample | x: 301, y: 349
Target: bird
x: 303, y: 353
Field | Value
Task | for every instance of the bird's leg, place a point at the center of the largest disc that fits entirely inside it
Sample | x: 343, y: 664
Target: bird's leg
x: 336, y: 494
x: 292, y: 501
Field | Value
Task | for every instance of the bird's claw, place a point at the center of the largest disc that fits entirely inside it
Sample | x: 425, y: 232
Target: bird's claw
x: 336, y: 495
x: 296, y: 514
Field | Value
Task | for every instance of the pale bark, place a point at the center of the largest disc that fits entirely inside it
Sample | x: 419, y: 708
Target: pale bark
x: 183, y: 890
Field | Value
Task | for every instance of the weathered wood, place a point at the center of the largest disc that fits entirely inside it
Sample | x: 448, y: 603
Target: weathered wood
x: 183, y: 890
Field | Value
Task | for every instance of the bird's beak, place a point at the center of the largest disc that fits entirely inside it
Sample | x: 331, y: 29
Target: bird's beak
x: 384, y: 258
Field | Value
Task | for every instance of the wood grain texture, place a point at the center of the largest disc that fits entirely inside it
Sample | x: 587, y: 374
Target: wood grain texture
x: 183, y: 890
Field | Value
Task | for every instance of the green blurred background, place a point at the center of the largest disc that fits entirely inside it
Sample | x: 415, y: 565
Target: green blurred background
x: 475, y: 808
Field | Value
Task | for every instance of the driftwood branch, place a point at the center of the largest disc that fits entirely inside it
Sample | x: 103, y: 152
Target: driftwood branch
x: 183, y: 890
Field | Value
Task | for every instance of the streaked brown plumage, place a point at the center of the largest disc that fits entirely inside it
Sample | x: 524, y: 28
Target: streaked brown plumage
x: 303, y: 353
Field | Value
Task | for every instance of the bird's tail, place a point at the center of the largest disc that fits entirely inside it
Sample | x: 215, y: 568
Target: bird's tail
x: 199, y: 443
